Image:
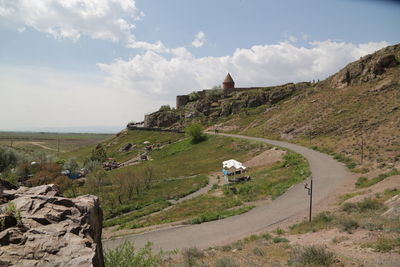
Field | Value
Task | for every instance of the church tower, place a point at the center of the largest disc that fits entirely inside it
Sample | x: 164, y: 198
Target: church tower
x: 228, y: 82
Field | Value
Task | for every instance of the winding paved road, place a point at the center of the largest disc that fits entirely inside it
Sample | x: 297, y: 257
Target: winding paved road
x: 328, y: 175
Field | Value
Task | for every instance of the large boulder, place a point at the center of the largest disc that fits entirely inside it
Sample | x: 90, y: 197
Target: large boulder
x: 51, y: 230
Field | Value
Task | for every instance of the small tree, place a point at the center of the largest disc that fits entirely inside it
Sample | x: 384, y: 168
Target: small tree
x: 196, y: 132
x: 99, y: 154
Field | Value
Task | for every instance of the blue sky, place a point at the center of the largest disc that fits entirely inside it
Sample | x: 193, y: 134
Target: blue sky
x: 107, y: 62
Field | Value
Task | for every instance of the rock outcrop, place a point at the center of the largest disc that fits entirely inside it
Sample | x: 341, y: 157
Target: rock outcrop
x: 221, y: 105
x: 393, y: 205
x: 50, y: 230
x: 367, y: 68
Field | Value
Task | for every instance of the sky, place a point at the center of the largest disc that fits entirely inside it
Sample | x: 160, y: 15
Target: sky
x: 99, y: 64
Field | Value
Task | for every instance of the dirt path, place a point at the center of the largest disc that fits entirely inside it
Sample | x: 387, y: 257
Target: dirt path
x: 329, y: 175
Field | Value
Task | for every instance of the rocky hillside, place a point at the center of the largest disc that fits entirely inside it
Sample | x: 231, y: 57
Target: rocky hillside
x: 217, y: 104
x: 354, y: 113
x: 39, y: 227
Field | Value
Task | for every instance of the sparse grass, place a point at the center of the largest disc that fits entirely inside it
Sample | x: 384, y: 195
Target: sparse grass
x: 311, y: 256
x: 218, y: 215
x: 279, y: 239
x: 191, y: 255
x: 347, y: 196
x: 273, y: 181
x: 365, y: 205
x: 267, y: 236
x: 258, y: 251
x: 324, y: 220
x: 364, y: 182
x: 349, y: 225
x: 226, y: 262
x: 197, y: 207
x: 126, y: 255
x: 383, y: 244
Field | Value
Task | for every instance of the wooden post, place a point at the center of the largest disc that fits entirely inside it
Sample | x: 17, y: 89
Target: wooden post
x: 311, y: 192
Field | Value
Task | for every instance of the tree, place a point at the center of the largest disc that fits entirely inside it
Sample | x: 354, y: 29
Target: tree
x: 96, y: 181
x: 148, y: 177
x: 196, y: 132
x: 99, y: 154
x: 71, y: 165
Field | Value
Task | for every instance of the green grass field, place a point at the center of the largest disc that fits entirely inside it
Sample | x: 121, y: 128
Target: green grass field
x: 50, y: 142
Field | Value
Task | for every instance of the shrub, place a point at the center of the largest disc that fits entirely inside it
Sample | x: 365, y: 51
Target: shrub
x: 195, y: 131
x: 365, y: 205
x: 384, y: 244
x: 226, y: 262
x: 314, y: 256
x: 193, y: 96
x: 190, y: 255
x: 348, y: 225
x: 279, y: 239
x: 126, y: 256
x: 360, y: 181
x: 369, y: 204
x: 279, y: 231
x: 267, y: 236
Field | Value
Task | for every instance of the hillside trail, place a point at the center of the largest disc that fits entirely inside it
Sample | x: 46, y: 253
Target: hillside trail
x: 329, y: 177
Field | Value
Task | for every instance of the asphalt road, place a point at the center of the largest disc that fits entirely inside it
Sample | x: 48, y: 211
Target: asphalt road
x: 328, y: 175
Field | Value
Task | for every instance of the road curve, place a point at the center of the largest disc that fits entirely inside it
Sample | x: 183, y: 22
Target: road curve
x: 328, y: 175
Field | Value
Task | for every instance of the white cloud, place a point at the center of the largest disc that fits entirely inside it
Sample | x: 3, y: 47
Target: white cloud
x: 70, y: 19
x: 40, y: 97
x: 292, y: 38
x: 199, y: 39
x: 262, y: 65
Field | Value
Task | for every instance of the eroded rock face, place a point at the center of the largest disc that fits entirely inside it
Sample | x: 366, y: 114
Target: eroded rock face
x: 53, y: 230
x: 393, y: 205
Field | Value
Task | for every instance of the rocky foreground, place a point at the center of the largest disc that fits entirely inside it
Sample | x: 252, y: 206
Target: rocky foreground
x: 39, y: 227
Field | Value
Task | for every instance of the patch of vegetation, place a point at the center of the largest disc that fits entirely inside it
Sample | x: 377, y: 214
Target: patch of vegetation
x: 311, y: 256
x: 267, y: 236
x: 195, y: 131
x: 347, y: 196
x: 363, y: 182
x: 279, y: 239
x: 273, y: 181
x: 213, y: 216
x: 324, y: 220
x: 193, y: 208
x: 191, y: 255
x: 164, y: 108
x: 365, y: 205
x: 258, y: 251
x: 383, y: 244
x: 226, y: 262
x: 349, y: 225
x: 126, y: 255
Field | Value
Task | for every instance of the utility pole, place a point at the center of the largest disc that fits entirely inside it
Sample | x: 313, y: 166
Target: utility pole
x: 310, y: 192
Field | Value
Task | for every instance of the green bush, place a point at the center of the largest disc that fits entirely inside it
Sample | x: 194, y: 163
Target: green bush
x: 195, y: 131
x: 279, y: 239
x: 311, y: 256
x: 267, y: 236
x: 126, y: 256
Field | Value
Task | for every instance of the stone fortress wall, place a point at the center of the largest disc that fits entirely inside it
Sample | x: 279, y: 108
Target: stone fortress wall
x: 228, y: 87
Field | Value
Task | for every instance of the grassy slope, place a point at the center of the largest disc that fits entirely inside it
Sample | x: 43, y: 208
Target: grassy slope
x: 335, y: 118
x: 184, y: 159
